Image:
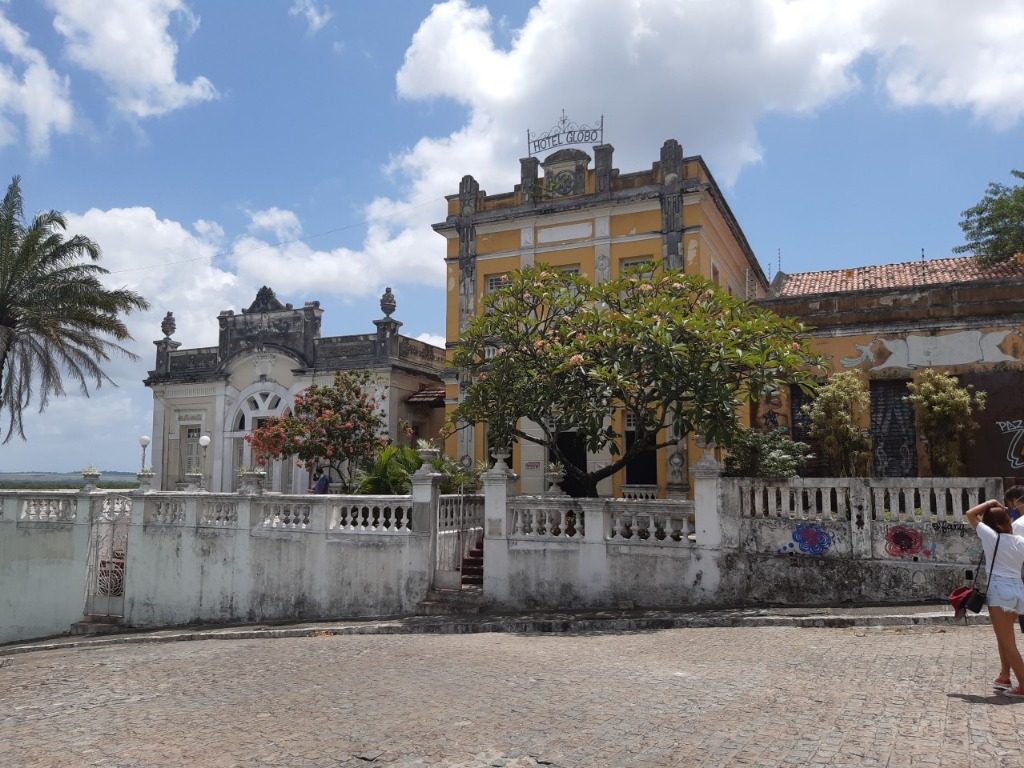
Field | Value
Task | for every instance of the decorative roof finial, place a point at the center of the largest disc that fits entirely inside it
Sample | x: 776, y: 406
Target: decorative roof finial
x: 387, y: 302
x: 168, y: 326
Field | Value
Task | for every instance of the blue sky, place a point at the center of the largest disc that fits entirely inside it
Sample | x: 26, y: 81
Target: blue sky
x: 211, y: 148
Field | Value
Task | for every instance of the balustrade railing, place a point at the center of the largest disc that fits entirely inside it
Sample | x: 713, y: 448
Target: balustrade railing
x: 282, y: 515
x: 49, y: 509
x: 618, y: 521
x: 646, y: 524
x: 551, y: 517
x: 164, y: 512
x: 371, y: 514
x: 637, y: 491
x: 218, y: 513
x: 925, y: 499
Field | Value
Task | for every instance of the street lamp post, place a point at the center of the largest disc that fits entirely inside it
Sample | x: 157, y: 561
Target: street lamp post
x: 204, y: 442
x: 144, y: 442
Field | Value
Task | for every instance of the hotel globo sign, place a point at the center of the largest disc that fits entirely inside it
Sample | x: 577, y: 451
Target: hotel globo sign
x: 564, y: 134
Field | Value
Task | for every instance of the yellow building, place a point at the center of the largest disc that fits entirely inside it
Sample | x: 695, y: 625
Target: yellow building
x: 596, y: 221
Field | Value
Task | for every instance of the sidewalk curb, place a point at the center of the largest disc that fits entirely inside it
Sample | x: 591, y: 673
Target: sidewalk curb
x: 462, y: 625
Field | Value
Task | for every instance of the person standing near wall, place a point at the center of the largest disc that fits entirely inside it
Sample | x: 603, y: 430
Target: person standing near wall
x: 1004, y: 553
x: 321, y: 482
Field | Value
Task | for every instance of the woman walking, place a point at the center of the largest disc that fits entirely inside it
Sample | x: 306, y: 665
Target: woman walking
x: 1004, y: 553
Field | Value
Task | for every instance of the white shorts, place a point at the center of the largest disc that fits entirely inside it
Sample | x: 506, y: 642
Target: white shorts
x: 1006, y: 592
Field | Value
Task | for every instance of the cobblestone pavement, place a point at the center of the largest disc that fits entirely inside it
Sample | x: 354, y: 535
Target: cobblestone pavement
x: 761, y: 696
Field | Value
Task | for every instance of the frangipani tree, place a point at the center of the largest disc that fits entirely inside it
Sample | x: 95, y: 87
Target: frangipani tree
x: 340, y: 426
x: 670, y: 349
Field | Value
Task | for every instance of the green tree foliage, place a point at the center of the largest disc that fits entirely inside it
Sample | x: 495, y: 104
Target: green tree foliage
x: 768, y: 454
x: 338, y: 426
x: 668, y: 348
x: 56, y: 317
x: 944, y: 416
x: 388, y: 472
x: 994, y: 228
x: 840, y: 406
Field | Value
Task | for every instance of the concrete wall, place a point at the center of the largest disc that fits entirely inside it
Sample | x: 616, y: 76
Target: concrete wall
x: 204, y: 557
x: 214, y: 558
x: 44, y: 543
x: 742, y: 541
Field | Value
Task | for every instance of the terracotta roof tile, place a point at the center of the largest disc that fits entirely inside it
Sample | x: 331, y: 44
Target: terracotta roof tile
x: 427, y: 396
x: 958, y: 269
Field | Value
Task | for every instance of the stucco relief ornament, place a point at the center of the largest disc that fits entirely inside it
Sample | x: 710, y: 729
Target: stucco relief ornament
x: 387, y: 302
x: 168, y: 326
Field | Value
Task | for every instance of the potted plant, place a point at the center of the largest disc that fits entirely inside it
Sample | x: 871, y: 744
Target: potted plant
x: 555, y: 474
x: 251, y: 477
x: 90, y: 474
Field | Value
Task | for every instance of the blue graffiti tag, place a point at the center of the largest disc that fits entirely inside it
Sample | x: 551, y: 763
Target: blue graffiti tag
x: 812, y: 539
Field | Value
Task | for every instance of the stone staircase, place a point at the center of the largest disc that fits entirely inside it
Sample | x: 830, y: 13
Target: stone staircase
x: 97, y: 625
x: 468, y: 599
x: 473, y: 567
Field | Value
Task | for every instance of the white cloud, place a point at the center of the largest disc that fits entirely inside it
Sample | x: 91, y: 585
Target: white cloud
x: 945, y: 53
x: 127, y: 43
x: 30, y: 91
x: 316, y: 17
x: 703, y: 71
x: 284, y: 224
x: 432, y: 338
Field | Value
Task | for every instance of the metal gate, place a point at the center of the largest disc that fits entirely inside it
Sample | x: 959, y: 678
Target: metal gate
x: 460, y: 527
x: 108, y: 551
x: 892, y: 429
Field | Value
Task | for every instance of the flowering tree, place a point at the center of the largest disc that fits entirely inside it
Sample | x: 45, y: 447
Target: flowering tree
x: 839, y: 409
x: 668, y: 348
x: 944, y: 413
x: 338, y: 426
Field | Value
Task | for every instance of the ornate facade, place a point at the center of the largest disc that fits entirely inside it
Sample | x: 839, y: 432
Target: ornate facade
x: 594, y: 220
x: 266, y: 355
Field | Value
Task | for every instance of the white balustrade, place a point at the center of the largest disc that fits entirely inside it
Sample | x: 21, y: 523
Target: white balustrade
x: 927, y: 499
x: 373, y: 514
x: 551, y: 517
x: 218, y: 514
x: 164, y: 512
x: 284, y: 516
x: 641, y: 523
x: 49, y: 509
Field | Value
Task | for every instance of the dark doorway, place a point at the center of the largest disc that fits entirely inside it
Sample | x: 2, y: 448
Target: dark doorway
x: 572, y: 447
x: 643, y: 469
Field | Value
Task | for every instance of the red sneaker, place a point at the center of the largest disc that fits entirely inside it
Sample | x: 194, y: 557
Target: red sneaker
x: 1015, y: 693
x: 1002, y: 682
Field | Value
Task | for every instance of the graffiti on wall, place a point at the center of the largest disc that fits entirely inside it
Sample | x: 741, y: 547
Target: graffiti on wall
x: 901, y: 541
x: 910, y: 352
x: 810, y: 539
x: 1015, y: 451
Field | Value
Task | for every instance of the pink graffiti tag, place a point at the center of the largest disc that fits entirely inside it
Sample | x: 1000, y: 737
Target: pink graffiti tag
x: 903, y: 542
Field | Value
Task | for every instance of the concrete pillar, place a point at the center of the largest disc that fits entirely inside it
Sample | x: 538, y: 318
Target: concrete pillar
x: 706, y: 479
x: 498, y: 487
x: 860, y: 518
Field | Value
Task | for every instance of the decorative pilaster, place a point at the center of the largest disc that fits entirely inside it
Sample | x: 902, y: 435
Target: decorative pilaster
x: 672, y: 204
x: 528, y: 176
x: 603, y: 169
x: 469, y: 189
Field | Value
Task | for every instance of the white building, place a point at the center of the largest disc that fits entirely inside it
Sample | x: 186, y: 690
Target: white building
x: 266, y: 355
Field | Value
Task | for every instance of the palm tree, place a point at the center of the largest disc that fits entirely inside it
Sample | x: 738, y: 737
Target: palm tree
x: 56, y: 317
x: 389, y: 471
